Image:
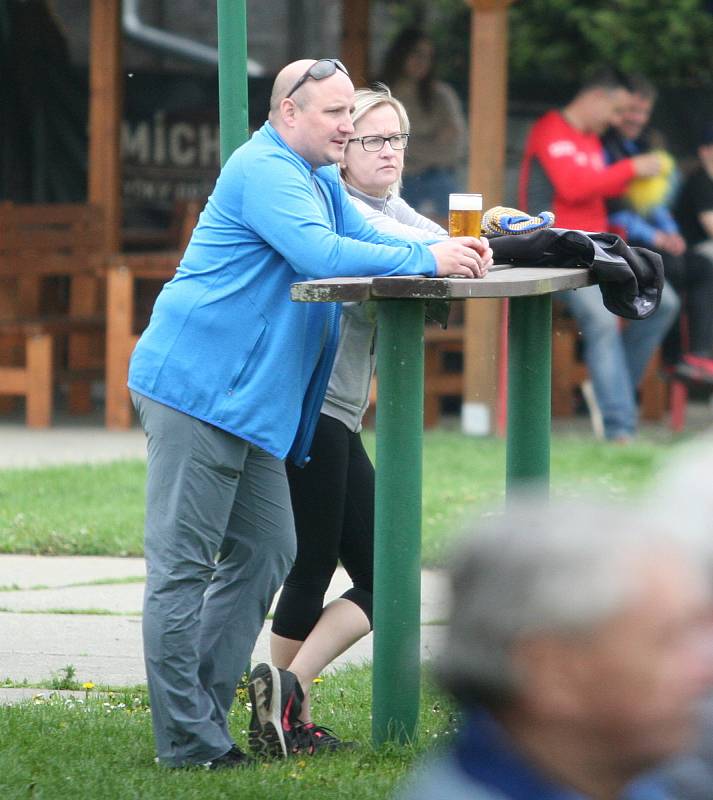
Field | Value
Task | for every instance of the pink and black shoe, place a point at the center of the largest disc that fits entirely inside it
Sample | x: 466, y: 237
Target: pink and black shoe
x: 276, y: 697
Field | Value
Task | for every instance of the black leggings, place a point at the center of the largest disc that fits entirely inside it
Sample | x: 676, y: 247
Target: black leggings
x: 333, y: 504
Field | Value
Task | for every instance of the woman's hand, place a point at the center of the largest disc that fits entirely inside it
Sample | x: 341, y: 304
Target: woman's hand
x: 465, y: 256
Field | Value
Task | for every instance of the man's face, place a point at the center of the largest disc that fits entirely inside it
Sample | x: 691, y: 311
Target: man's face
x: 639, y: 676
x: 635, y: 116
x: 606, y: 108
x: 323, y: 122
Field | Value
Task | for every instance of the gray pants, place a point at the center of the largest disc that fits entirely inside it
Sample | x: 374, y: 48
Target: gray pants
x: 219, y: 542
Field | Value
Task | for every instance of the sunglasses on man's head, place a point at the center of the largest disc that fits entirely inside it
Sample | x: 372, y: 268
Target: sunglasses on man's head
x: 324, y: 68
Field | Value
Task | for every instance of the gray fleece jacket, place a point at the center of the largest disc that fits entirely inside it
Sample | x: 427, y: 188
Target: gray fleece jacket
x: 347, y: 395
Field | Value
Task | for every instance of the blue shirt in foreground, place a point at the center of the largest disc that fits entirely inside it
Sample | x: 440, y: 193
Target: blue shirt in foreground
x: 484, y: 765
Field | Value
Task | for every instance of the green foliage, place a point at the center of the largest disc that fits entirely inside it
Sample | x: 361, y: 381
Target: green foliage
x: 556, y: 40
x: 65, y: 678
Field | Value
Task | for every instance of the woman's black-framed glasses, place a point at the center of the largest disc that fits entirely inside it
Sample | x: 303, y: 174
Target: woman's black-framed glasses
x: 324, y: 68
x: 372, y: 144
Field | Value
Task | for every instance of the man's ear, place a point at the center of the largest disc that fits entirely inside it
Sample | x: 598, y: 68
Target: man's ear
x: 549, y: 668
x: 288, y: 112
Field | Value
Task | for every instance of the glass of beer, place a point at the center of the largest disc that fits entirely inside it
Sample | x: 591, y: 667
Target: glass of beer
x: 465, y: 214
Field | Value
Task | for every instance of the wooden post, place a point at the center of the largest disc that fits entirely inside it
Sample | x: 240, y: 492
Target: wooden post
x: 486, y: 169
x: 105, y: 102
x: 105, y: 111
x: 38, y: 391
x: 119, y: 330
x: 355, y: 40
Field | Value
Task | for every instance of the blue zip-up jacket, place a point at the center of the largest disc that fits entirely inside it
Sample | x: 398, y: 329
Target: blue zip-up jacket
x: 225, y: 343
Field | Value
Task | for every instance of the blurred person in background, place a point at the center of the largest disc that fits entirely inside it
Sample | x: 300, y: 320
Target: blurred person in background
x: 644, y: 217
x: 437, y: 146
x: 564, y: 169
x: 694, y: 212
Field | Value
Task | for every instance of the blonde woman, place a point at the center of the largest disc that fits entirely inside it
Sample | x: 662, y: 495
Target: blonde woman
x: 333, y: 496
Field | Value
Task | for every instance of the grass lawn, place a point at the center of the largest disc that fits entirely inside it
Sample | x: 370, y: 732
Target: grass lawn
x: 101, y: 748
x: 98, y: 509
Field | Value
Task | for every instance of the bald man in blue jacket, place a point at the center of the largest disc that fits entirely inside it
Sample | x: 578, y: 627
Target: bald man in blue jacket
x: 228, y: 380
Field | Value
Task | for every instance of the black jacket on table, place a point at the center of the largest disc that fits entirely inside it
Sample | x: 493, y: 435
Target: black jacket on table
x: 630, y: 278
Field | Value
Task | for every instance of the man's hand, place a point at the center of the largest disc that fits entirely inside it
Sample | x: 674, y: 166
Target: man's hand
x: 672, y: 243
x: 647, y: 165
x: 462, y: 255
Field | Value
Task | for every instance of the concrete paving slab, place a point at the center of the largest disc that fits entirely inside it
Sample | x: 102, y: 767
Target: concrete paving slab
x: 24, y: 571
x: 11, y: 696
x: 102, y: 649
x: 128, y: 598
x: 109, y: 599
x: 108, y: 650
x: 68, y: 444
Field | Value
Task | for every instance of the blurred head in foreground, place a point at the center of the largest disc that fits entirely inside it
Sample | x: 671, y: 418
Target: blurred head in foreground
x: 582, y: 632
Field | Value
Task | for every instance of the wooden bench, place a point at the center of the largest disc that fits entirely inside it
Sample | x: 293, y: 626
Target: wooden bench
x: 123, y: 329
x: 440, y: 379
x: 568, y: 371
x: 35, y: 379
x: 37, y: 242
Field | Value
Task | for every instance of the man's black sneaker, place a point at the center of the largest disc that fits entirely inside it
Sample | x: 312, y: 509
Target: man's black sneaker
x: 276, y: 697
x: 310, y: 739
x: 233, y: 758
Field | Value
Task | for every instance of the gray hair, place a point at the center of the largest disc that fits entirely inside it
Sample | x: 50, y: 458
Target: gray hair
x: 562, y: 569
x: 367, y: 99
x: 682, y: 494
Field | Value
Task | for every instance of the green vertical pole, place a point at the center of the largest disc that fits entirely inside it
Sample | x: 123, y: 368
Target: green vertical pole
x: 529, y: 393
x: 232, y: 76
x: 232, y: 88
x: 397, y: 544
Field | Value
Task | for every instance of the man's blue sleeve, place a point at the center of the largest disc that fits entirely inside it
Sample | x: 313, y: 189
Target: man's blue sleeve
x: 637, y: 228
x: 286, y: 214
x: 663, y: 219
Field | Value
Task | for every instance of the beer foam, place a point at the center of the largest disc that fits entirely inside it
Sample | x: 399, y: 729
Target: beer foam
x: 465, y: 202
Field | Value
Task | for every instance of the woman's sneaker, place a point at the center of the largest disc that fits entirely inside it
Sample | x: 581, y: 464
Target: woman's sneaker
x: 312, y: 739
x: 276, y: 697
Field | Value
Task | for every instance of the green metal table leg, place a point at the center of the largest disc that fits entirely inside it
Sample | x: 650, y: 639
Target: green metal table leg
x: 529, y: 393
x: 397, y: 545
